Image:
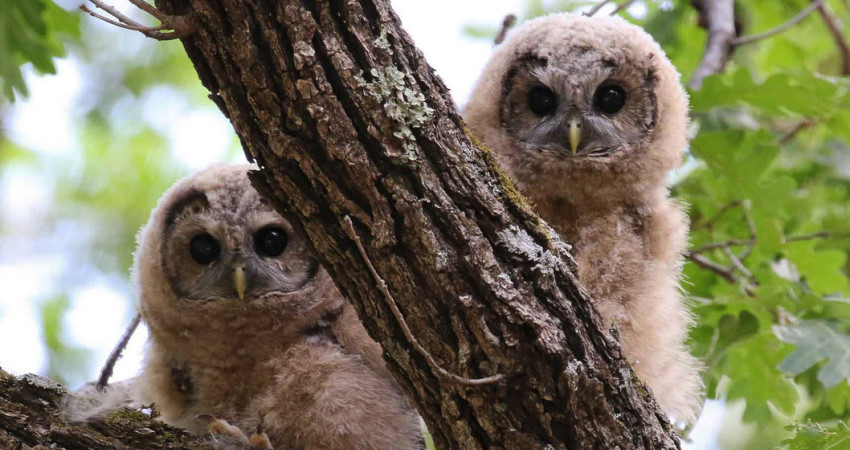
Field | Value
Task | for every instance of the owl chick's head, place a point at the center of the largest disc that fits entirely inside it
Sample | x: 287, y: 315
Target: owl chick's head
x: 213, y: 253
x: 569, y: 96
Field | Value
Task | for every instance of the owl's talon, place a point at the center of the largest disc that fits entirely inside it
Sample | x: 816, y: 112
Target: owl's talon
x: 218, y: 427
x: 260, y: 440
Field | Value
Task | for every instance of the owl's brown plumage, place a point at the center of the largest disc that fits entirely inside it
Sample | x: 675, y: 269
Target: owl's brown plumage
x: 587, y: 115
x: 246, y: 326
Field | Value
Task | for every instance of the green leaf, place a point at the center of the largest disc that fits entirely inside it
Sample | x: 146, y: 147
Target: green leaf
x: 751, y: 368
x: 816, y: 437
x: 34, y: 32
x: 822, y: 269
x: 816, y: 341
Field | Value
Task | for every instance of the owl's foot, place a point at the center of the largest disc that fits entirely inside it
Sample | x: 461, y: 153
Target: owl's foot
x: 219, y: 428
x: 260, y: 440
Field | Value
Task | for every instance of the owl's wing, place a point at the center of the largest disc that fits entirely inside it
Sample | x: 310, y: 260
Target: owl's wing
x: 325, y: 397
x: 349, y: 331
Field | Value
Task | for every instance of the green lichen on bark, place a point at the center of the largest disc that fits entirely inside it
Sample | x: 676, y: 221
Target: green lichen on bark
x: 403, y: 105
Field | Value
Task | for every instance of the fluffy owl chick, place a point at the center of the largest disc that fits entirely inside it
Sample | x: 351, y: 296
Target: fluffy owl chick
x: 587, y: 115
x: 248, y: 332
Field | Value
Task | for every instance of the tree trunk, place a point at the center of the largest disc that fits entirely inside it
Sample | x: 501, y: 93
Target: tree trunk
x: 346, y: 119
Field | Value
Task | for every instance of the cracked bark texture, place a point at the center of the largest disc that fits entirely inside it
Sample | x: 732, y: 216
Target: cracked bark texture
x: 345, y: 118
x: 31, y: 418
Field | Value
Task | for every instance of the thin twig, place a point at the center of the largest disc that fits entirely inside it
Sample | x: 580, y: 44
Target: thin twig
x: 738, y: 264
x: 181, y: 26
x: 707, y: 224
x: 751, y: 229
x: 837, y: 32
x: 150, y: 9
x: 106, y: 372
x: 721, y: 244
x: 597, y: 7
x: 809, y: 236
x: 123, y: 25
x: 779, y: 29
x: 741, y: 242
x: 727, y: 273
x: 507, y: 23
x: 621, y: 7
x: 800, y: 126
x: 382, y: 286
x: 114, y: 13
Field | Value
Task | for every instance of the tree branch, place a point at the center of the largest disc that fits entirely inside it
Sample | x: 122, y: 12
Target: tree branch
x: 597, y: 7
x: 719, y: 16
x: 621, y: 7
x: 507, y: 23
x: 779, y: 29
x: 117, y: 352
x: 181, y: 26
x: 837, y: 32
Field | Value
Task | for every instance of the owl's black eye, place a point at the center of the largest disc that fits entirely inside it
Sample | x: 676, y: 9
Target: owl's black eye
x: 609, y: 98
x: 542, y: 101
x: 270, y: 241
x: 204, y: 248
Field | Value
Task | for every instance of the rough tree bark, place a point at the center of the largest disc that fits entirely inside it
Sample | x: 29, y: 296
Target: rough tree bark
x: 346, y: 119
x: 31, y: 418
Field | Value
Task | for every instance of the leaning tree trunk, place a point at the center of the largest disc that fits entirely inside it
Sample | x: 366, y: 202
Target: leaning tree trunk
x: 348, y: 122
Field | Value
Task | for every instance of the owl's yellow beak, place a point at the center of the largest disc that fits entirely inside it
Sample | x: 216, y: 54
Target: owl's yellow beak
x: 239, y: 280
x: 574, y: 133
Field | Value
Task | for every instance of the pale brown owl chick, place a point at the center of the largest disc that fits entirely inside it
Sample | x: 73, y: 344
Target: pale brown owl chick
x: 247, y: 329
x: 587, y: 115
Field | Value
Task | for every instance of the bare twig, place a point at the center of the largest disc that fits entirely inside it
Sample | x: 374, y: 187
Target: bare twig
x: 382, y: 286
x: 117, y: 352
x: 114, y: 13
x: 719, y: 16
x: 809, y: 236
x: 800, y: 126
x: 837, y: 32
x: 597, y: 7
x: 742, y: 242
x: 738, y: 264
x: 181, y: 26
x: 720, y: 20
x: 725, y: 272
x: 708, y: 223
x: 779, y: 29
x: 621, y: 7
x: 507, y: 23
x: 150, y: 9
x: 721, y: 244
x: 751, y: 229
x: 121, y: 24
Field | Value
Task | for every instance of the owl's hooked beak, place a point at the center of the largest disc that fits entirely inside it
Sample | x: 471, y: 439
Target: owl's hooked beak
x: 574, y: 124
x: 239, y: 280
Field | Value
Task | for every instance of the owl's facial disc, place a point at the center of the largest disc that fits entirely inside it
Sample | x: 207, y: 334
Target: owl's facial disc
x: 579, y: 106
x: 234, y: 252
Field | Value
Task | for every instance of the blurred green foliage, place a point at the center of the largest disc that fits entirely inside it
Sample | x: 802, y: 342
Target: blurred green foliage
x: 32, y: 31
x: 768, y: 170
x: 102, y: 190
